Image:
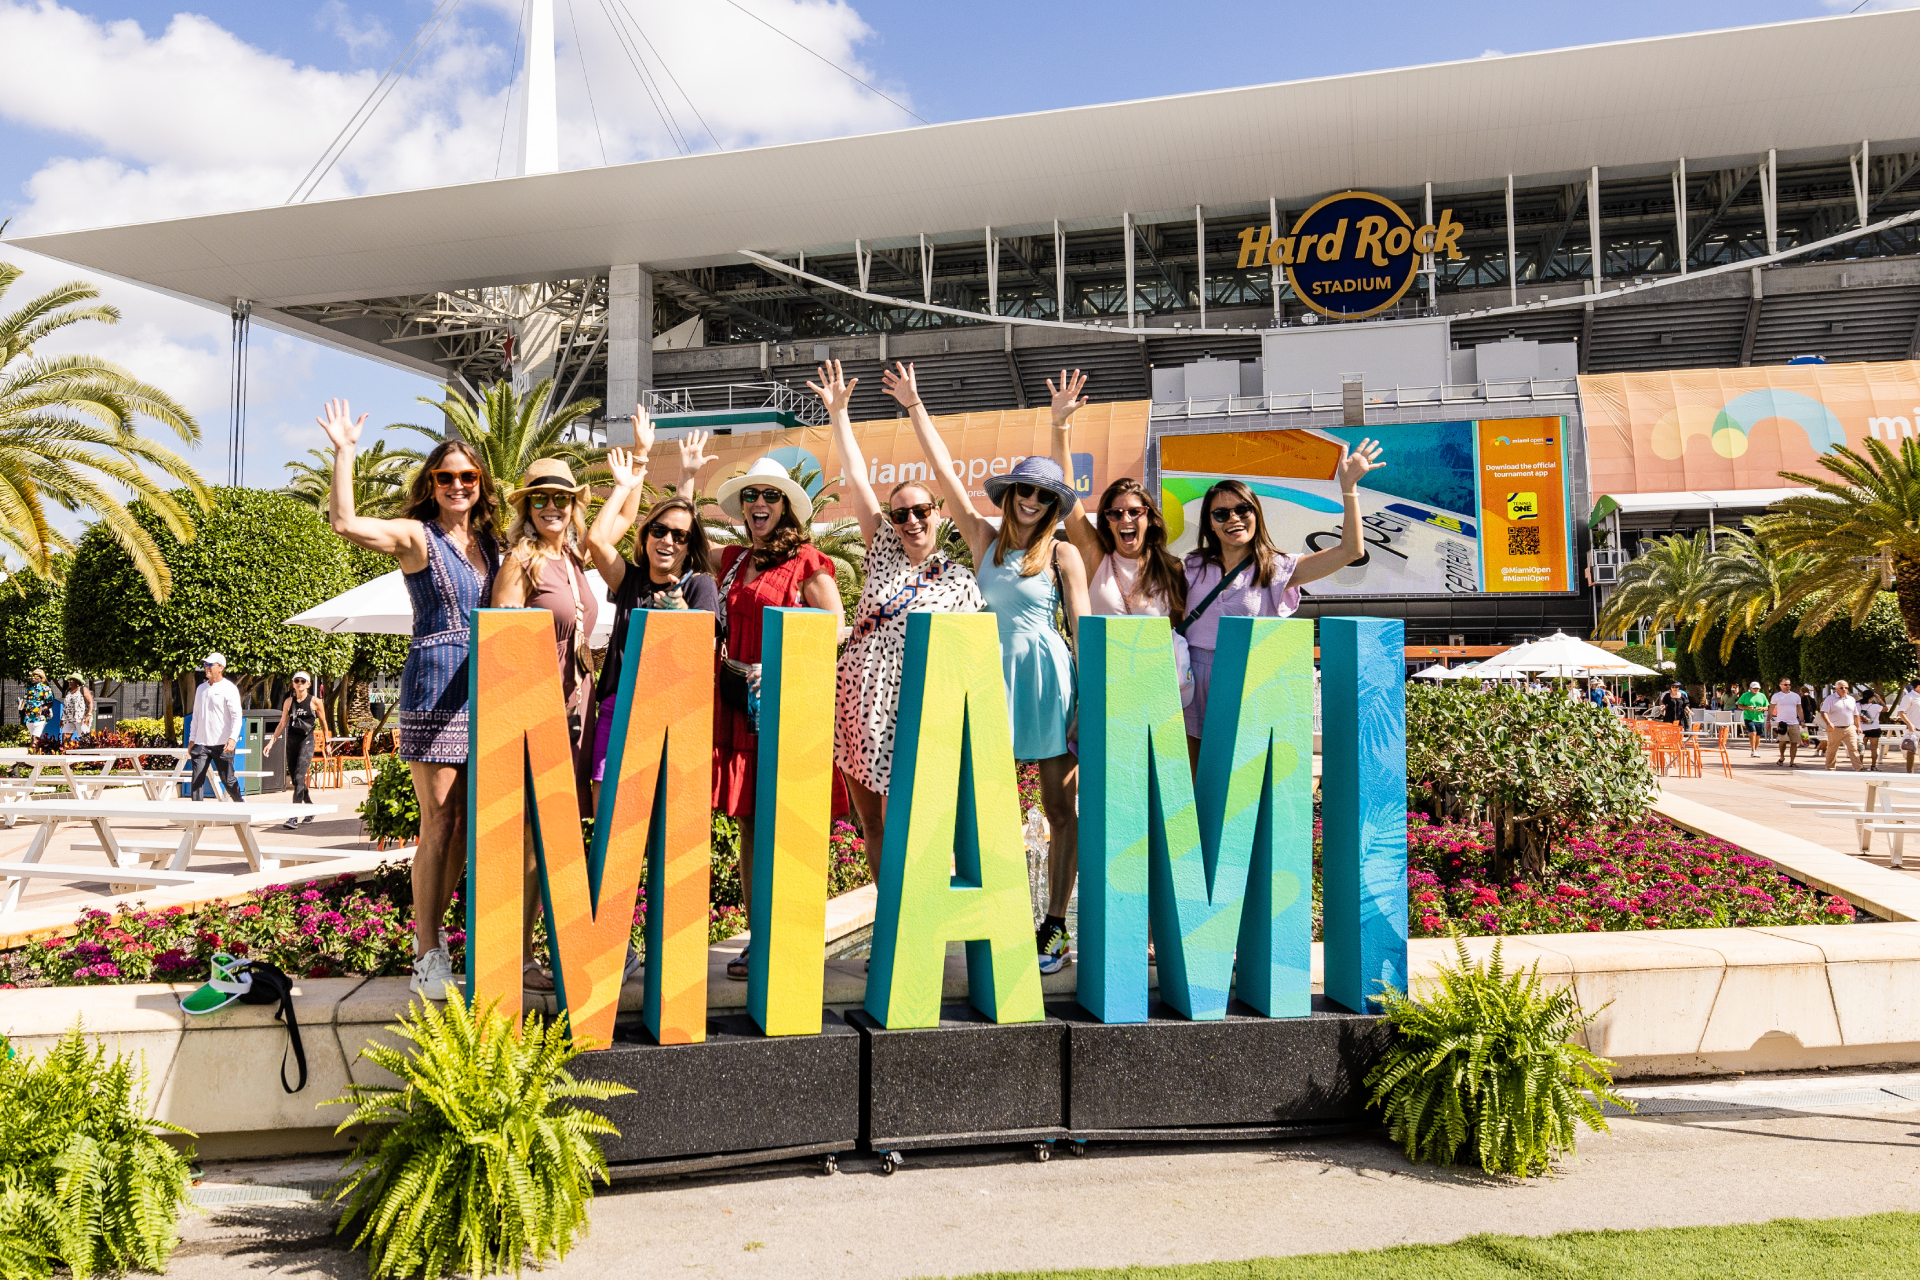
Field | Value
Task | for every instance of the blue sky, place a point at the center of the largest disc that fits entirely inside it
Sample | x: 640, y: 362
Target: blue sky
x: 121, y: 111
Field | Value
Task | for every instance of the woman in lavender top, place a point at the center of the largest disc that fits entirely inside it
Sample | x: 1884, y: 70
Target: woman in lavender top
x: 1262, y: 580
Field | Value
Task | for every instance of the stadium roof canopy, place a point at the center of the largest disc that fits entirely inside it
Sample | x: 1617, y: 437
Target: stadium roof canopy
x: 1811, y: 90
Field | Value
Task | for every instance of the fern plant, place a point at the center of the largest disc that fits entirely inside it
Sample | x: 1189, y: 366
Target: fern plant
x: 1486, y: 1062
x: 478, y: 1161
x: 85, y: 1178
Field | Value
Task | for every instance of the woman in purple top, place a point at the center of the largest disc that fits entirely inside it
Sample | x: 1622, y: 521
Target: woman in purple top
x: 1261, y: 580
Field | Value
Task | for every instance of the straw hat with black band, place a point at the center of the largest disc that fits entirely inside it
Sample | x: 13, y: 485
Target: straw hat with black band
x: 764, y: 474
x: 547, y: 475
x: 1042, y: 473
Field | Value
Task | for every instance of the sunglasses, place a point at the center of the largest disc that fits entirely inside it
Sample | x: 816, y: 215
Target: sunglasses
x: 1220, y: 515
x: 560, y: 501
x: 448, y: 479
x: 1128, y: 514
x: 762, y: 495
x: 678, y: 537
x: 920, y: 511
x: 1035, y: 491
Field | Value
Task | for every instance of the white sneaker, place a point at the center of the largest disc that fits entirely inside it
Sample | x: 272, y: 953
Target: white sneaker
x: 433, y: 976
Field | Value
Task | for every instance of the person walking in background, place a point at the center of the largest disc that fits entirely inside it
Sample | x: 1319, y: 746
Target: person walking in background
x: 303, y: 721
x: 77, y: 719
x: 1027, y: 579
x: 1788, y: 724
x: 1673, y: 704
x: 448, y: 551
x: 907, y: 573
x: 36, y: 705
x: 1839, y: 714
x: 778, y: 567
x: 1907, y: 713
x: 216, y: 729
x: 1872, y: 707
x: 1753, y: 709
x: 673, y: 569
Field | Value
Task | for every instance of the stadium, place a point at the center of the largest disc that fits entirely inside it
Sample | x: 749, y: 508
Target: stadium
x: 1564, y: 287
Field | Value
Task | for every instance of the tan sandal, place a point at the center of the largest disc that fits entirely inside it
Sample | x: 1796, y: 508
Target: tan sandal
x: 534, y: 978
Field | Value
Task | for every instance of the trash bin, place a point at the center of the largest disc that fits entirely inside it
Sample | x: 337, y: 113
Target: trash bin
x: 259, y: 724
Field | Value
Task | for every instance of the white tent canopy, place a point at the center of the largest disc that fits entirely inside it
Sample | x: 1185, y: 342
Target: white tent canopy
x: 381, y: 607
x: 1560, y: 655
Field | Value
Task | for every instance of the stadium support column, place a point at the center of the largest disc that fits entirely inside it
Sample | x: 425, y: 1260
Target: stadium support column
x: 629, y: 346
x: 1513, y: 275
x: 1680, y: 213
x: 1126, y: 230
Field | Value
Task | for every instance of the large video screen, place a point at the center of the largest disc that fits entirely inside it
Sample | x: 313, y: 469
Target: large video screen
x: 1460, y: 507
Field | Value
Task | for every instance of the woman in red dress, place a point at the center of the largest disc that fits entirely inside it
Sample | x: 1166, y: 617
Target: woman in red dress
x: 778, y: 568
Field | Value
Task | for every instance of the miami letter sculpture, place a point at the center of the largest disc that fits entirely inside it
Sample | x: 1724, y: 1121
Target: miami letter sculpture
x: 1217, y: 869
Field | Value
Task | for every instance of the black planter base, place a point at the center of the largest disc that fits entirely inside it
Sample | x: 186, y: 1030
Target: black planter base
x: 739, y: 1097
x: 967, y: 1082
x: 1169, y: 1077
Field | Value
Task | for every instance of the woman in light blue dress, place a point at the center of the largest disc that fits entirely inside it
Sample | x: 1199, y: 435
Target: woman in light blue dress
x: 1026, y: 575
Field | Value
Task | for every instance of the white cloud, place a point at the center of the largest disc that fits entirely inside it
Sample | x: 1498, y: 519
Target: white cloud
x: 191, y: 119
x: 1493, y: 53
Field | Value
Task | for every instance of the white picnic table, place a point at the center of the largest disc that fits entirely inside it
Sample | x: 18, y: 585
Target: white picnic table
x: 185, y: 821
x: 1881, y: 812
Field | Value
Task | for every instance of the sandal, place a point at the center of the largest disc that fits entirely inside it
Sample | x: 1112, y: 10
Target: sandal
x: 534, y: 978
x: 737, y: 967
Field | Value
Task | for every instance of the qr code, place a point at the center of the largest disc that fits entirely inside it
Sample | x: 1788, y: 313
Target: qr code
x: 1523, y: 540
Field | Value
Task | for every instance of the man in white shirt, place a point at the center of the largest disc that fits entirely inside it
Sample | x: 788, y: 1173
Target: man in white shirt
x: 1906, y: 715
x: 216, y: 728
x: 1841, y: 715
x: 1786, y: 724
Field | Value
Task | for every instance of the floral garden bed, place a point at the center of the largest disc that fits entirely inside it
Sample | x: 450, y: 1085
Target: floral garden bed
x: 1643, y: 875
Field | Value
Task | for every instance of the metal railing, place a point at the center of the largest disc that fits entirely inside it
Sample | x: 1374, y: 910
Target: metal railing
x: 722, y: 396
x: 1319, y: 401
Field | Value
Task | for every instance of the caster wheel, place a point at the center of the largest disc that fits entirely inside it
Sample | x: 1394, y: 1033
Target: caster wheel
x: 890, y: 1162
x: 1078, y: 1148
x: 830, y: 1164
x: 1043, y: 1151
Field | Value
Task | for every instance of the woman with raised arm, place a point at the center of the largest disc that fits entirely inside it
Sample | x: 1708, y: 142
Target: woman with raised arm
x: 672, y: 565
x: 1131, y: 570
x: 778, y: 567
x: 448, y: 551
x: 906, y: 573
x: 1238, y: 572
x: 1025, y: 575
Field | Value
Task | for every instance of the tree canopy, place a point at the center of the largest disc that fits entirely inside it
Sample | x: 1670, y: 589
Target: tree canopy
x: 257, y: 559
x: 32, y: 627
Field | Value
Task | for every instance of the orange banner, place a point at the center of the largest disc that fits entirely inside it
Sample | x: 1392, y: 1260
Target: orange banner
x: 1109, y: 441
x: 1523, y: 505
x: 1712, y: 429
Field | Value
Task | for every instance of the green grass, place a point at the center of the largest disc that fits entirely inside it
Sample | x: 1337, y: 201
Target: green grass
x: 1883, y: 1245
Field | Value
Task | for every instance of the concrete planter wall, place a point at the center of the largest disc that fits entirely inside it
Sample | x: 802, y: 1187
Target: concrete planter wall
x: 1677, y: 1002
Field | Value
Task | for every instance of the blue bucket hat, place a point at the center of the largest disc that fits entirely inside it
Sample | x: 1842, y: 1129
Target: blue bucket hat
x: 1041, y: 472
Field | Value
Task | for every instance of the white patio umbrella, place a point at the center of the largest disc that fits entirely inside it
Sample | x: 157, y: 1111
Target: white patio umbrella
x: 1435, y: 672
x: 381, y: 607
x: 1562, y: 655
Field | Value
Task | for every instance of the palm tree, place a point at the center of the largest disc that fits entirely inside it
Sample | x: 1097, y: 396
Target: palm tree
x: 508, y: 431
x: 1859, y: 531
x: 1747, y: 582
x: 379, y: 480
x: 1663, y: 586
x: 67, y: 433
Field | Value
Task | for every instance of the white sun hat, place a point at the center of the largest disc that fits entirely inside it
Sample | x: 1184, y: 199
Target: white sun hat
x: 762, y: 474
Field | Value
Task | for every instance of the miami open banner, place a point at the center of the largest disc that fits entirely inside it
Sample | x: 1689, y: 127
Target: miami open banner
x: 1460, y: 508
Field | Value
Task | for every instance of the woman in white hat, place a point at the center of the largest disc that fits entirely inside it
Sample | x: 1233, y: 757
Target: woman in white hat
x: 777, y: 567
x: 906, y: 572
x: 545, y: 568
x: 1025, y: 576
x: 303, y: 720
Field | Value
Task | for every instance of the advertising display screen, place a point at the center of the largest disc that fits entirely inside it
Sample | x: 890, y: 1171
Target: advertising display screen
x: 1460, y: 507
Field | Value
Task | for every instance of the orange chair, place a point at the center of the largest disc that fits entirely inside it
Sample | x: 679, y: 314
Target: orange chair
x: 1719, y: 746
x: 1670, y: 745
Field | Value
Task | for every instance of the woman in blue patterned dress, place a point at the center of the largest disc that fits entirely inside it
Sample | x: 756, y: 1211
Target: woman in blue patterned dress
x: 448, y: 551
x: 1026, y: 576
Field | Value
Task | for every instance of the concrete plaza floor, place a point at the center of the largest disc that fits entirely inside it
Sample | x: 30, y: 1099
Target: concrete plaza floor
x: 956, y: 1213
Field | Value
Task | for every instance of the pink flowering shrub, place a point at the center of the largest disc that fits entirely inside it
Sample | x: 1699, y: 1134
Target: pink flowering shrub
x: 1642, y: 875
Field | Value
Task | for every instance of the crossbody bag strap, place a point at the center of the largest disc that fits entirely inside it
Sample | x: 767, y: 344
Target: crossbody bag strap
x: 1180, y: 628
x: 726, y: 585
x: 1060, y: 590
x: 582, y: 650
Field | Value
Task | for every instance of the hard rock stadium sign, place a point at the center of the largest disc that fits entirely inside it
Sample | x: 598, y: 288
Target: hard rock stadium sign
x: 1352, y: 254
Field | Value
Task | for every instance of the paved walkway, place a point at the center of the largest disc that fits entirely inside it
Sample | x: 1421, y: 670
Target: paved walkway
x: 1760, y: 790
x: 956, y: 1213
